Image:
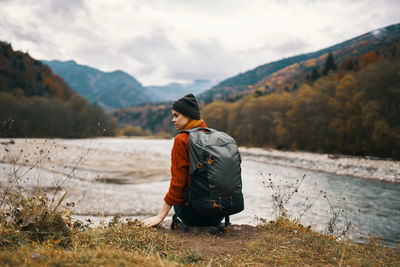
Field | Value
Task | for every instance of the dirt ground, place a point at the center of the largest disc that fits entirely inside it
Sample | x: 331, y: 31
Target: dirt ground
x: 221, y: 244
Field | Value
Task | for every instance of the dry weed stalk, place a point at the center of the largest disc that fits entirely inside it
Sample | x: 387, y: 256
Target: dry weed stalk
x: 338, y: 225
x: 281, y: 195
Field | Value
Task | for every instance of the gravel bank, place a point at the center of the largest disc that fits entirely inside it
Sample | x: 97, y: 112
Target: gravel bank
x: 379, y: 169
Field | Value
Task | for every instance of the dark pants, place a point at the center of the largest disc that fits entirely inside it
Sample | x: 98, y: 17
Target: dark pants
x: 192, y: 218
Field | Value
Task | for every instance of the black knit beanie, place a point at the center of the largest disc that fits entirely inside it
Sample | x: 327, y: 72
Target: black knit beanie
x: 188, y: 106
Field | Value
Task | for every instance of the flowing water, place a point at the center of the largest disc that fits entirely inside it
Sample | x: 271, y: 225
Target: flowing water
x: 372, y: 207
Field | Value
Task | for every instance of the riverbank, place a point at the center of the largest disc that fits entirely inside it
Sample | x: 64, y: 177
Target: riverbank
x: 150, y: 164
x: 361, y: 167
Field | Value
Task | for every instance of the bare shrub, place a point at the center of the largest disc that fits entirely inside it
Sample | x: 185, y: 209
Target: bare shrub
x: 338, y: 225
x: 282, y: 195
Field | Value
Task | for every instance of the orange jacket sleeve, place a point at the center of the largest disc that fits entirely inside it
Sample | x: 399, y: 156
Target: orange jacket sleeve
x: 179, y: 170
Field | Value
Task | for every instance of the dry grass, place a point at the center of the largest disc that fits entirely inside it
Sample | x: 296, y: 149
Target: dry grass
x: 49, y: 256
x: 284, y: 242
x: 126, y: 243
x: 119, y: 243
x: 35, y: 233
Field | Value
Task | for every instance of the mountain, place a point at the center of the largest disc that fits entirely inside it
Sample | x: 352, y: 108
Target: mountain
x: 117, y: 89
x: 175, y: 90
x: 237, y: 86
x: 110, y: 90
x: 35, y: 102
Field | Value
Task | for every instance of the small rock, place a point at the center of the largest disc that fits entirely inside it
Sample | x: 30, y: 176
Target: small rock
x: 35, y: 256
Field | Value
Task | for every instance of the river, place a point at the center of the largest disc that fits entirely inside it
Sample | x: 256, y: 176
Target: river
x: 130, y: 176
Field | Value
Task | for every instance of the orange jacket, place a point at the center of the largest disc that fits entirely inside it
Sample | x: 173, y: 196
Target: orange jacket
x: 179, y: 168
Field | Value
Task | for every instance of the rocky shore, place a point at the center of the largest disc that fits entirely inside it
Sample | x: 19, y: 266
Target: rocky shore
x: 370, y: 168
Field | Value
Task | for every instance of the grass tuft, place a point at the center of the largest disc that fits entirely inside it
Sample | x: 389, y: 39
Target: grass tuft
x: 31, y: 220
x: 286, y: 242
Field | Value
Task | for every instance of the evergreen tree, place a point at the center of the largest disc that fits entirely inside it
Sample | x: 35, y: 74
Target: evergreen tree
x: 350, y: 65
x: 21, y: 66
x: 315, y: 74
x: 329, y: 64
x: 39, y: 77
x: 394, y: 52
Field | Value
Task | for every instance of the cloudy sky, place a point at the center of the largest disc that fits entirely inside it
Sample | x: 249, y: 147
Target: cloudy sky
x: 162, y: 41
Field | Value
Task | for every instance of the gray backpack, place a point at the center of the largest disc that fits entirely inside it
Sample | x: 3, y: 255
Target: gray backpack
x: 215, y: 173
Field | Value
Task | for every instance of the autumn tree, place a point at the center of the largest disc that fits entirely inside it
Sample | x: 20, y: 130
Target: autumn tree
x: 368, y: 58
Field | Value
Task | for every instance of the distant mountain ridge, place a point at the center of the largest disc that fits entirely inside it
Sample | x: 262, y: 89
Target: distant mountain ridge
x: 110, y: 90
x: 356, y: 46
x: 175, y: 90
x: 117, y: 89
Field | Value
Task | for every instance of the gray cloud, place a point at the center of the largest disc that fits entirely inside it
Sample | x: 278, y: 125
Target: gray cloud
x: 200, y: 58
x: 61, y: 10
x: 67, y: 7
x: 15, y: 31
x: 152, y: 51
x: 204, y: 59
x: 24, y: 34
x: 157, y: 40
x: 151, y: 47
x: 287, y: 47
x: 219, y: 8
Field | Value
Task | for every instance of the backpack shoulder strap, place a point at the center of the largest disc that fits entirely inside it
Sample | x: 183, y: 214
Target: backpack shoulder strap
x: 197, y: 129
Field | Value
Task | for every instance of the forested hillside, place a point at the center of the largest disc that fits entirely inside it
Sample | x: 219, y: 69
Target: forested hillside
x: 355, y: 113
x: 154, y: 117
x: 36, y: 103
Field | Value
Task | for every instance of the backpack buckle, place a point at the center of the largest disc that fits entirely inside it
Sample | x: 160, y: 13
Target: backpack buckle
x: 210, y: 160
x: 177, y: 223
